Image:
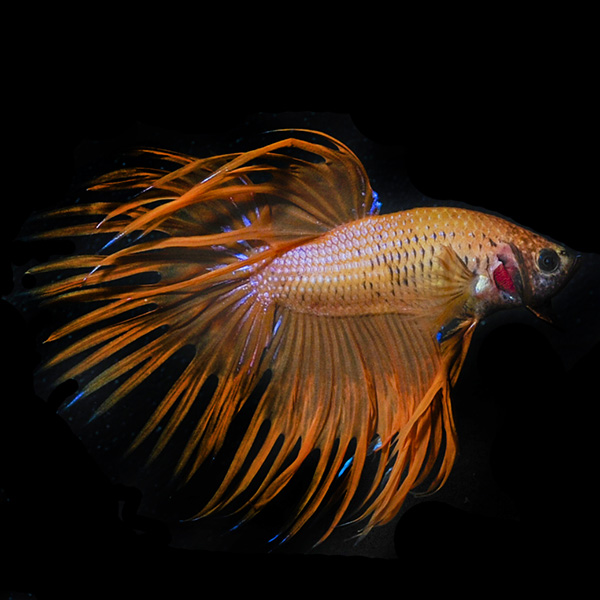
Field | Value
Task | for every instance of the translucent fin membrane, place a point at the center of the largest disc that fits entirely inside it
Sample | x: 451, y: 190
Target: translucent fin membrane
x: 336, y: 384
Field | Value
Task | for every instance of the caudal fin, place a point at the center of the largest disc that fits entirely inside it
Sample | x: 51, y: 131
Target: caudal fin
x: 173, y: 333
x: 171, y: 273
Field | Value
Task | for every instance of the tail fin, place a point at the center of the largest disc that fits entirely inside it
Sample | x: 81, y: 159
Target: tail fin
x: 173, y: 272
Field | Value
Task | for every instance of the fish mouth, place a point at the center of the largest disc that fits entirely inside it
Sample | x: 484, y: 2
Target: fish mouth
x: 577, y: 259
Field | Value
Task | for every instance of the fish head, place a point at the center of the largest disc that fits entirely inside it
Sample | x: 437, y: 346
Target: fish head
x: 528, y: 270
x: 546, y: 267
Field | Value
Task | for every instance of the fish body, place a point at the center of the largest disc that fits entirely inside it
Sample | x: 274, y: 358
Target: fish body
x: 380, y: 264
x: 276, y: 269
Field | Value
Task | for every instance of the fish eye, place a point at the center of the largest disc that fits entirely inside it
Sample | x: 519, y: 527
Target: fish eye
x: 548, y: 260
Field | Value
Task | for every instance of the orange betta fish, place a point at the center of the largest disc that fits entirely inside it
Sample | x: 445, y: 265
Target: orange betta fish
x: 335, y: 331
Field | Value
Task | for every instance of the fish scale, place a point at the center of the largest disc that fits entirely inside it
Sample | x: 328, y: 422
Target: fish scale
x: 377, y: 264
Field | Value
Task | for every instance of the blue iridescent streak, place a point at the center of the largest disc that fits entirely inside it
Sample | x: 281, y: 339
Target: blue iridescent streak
x: 345, y: 467
x: 376, y: 205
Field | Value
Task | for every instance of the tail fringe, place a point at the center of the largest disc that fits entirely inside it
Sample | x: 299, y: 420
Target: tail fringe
x: 199, y: 232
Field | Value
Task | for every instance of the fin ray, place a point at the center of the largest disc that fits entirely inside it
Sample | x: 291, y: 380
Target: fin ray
x: 378, y: 376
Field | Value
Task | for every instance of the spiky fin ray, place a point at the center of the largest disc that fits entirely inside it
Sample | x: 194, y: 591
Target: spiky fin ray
x: 356, y: 395
x: 356, y: 379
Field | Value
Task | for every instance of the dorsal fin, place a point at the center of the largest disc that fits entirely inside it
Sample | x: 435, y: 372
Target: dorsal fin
x: 309, y: 187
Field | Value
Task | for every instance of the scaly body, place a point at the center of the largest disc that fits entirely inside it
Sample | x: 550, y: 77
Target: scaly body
x: 375, y: 265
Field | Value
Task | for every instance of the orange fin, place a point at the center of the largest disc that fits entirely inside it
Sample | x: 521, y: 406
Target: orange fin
x: 368, y: 395
x: 371, y: 394
x: 451, y: 290
x: 194, y: 235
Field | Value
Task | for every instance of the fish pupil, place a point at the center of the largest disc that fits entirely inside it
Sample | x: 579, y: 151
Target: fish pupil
x: 548, y: 260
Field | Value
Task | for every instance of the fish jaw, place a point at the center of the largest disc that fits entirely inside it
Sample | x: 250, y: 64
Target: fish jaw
x: 512, y: 280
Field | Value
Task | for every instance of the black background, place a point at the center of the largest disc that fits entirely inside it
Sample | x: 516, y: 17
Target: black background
x: 524, y: 405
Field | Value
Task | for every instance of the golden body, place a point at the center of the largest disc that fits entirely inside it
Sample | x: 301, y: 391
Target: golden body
x: 380, y: 264
x: 376, y: 265
x: 272, y: 263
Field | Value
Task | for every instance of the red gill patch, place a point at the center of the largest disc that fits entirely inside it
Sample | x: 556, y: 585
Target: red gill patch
x: 504, y: 280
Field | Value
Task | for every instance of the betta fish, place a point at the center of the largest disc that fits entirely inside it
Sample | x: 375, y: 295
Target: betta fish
x: 336, y: 330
